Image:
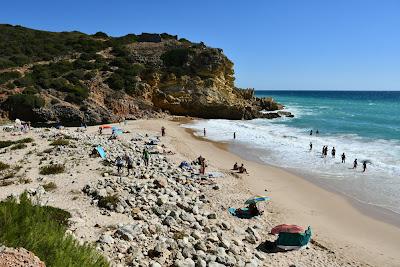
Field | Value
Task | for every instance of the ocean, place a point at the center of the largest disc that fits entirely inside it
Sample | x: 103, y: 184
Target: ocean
x: 362, y: 124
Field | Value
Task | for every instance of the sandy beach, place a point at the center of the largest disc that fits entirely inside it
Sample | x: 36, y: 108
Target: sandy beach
x: 338, y: 225
x: 342, y: 235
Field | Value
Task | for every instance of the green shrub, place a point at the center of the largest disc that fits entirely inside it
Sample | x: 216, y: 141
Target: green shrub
x: 176, y: 57
x: 3, y: 166
x: 52, y: 169
x: 28, y: 101
x: 60, y: 142
x: 108, y: 202
x: 6, y: 76
x: 31, y: 90
x: 24, y: 140
x: 41, y: 229
x: 18, y: 146
x: 6, y: 143
x: 50, y: 186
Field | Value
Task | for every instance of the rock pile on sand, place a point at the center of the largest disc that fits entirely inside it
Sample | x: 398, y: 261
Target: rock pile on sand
x: 171, y: 224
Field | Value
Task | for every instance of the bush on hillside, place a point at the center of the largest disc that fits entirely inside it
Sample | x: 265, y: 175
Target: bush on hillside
x: 176, y: 57
x: 23, y: 100
x: 11, y: 75
x: 41, y: 229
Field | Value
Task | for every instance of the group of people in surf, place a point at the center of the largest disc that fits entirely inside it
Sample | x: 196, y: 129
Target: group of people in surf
x: 324, y: 154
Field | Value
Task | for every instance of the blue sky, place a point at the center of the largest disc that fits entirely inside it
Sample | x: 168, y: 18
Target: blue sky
x: 275, y: 44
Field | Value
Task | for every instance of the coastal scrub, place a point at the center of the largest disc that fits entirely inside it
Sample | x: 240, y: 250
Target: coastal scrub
x: 41, y: 229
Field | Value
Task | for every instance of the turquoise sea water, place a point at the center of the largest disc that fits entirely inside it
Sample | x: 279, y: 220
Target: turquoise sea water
x: 363, y: 125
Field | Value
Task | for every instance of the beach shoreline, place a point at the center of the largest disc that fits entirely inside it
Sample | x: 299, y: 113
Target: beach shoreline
x: 346, y: 228
x: 342, y: 235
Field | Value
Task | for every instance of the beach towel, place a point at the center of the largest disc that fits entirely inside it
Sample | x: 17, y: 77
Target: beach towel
x: 293, y: 241
x: 101, y: 152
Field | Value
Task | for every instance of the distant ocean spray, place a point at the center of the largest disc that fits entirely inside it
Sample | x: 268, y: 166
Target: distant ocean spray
x: 365, y: 125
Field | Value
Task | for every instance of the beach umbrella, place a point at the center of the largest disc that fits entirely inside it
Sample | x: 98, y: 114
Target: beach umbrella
x: 287, y: 228
x: 255, y: 200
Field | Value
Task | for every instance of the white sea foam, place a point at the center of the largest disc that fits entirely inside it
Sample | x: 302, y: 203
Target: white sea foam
x: 288, y: 147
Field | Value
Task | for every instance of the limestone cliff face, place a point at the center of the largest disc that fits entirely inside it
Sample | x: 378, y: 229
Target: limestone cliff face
x: 101, y: 79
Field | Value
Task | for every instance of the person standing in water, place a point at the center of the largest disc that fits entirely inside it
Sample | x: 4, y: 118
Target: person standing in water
x: 311, y: 132
x: 364, y: 166
x: 317, y: 132
x: 343, y: 158
x: 333, y: 152
x: 234, y: 135
x: 204, y: 132
x: 355, y: 163
x: 310, y: 146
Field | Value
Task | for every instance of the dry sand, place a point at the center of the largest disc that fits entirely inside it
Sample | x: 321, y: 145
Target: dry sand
x: 343, y: 235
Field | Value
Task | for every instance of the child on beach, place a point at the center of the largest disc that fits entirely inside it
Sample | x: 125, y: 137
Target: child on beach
x: 119, y: 164
x: 129, y: 163
x: 146, y: 157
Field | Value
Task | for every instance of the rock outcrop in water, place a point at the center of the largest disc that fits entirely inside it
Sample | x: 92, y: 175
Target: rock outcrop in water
x: 72, y: 77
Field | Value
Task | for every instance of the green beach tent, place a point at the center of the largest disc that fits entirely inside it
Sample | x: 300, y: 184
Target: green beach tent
x: 291, y: 241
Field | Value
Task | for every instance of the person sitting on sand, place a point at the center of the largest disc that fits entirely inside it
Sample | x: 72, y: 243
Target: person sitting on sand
x: 242, y: 169
x: 253, y: 210
x: 119, y: 164
x: 200, y: 160
x: 355, y: 163
x: 343, y: 158
x: 235, y: 166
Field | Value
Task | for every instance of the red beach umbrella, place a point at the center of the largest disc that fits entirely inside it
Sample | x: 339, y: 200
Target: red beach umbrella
x: 287, y: 228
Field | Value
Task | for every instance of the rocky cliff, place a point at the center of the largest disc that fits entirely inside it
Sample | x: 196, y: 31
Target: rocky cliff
x: 73, y: 77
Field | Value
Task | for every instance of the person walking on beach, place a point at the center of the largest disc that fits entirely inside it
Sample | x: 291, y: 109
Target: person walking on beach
x: 364, y: 166
x: 163, y: 131
x: 204, y: 132
x: 129, y: 163
x: 311, y: 132
x: 146, y: 157
x: 333, y: 152
x: 343, y: 158
x: 355, y: 163
x: 119, y: 164
x: 234, y: 135
x: 310, y: 146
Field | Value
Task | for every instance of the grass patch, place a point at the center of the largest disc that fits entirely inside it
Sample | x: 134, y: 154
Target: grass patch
x: 24, y: 141
x: 51, y: 186
x: 60, y: 142
x: 19, y: 146
x: 52, y: 169
x: 108, y: 202
x: 8, y: 143
x: 41, y: 229
x: 3, y: 166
